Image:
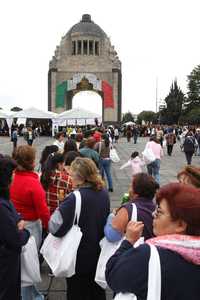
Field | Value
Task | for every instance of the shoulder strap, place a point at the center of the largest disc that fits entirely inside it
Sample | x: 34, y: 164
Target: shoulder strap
x: 154, y: 277
x: 77, y: 206
x: 134, y: 213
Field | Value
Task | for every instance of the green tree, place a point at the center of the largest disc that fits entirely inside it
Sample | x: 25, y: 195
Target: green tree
x: 147, y: 116
x: 16, y: 108
x: 191, y: 117
x: 127, y: 117
x: 193, y: 100
x: 174, y: 105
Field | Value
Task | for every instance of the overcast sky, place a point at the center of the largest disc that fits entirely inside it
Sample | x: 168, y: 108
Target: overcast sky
x: 153, y: 38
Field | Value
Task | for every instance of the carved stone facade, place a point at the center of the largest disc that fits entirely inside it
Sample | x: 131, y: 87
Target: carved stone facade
x: 85, y: 60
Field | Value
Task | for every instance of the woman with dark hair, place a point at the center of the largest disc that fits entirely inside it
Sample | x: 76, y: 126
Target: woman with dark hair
x: 70, y: 145
x: 143, y: 190
x: 45, y: 153
x: 79, y: 138
x: 128, y: 133
x: 95, y: 208
x: 29, y: 199
x: 176, y: 226
x: 69, y: 158
x: 103, y: 148
x: 12, y: 236
x: 189, y: 146
x: 55, y: 180
x: 59, y: 141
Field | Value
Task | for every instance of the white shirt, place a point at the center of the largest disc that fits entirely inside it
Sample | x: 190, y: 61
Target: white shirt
x: 60, y: 145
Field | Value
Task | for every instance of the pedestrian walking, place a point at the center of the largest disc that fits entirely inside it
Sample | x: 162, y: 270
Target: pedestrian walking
x: 29, y: 136
x: 189, y: 146
x: 14, y: 138
x: 170, y: 141
x: 135, y: 133
x: 103, y: 148
x: 135, y: 162
x: 154, y: 167
x: 128, y: 133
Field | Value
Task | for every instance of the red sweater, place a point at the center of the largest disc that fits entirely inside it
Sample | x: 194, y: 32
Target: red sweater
x: 28, y: 197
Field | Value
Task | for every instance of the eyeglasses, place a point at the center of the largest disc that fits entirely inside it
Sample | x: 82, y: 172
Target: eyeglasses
x: 159, y: 213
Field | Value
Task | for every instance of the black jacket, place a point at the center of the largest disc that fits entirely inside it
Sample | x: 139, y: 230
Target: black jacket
x: 11, y: 241
x: 95, y: 207
x: 127, y: 271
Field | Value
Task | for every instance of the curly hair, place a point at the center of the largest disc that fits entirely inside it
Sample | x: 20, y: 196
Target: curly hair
x: 193, y: 173
x: 25, y: 157
x: 86, y: 169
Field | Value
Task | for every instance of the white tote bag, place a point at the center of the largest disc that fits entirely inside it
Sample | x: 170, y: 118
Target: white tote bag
x: 107, y: 250
x: 114, y: 156
x: 30, y: 267
x: 60, y: 253
x: 148, y: 155
x: 154, y: 279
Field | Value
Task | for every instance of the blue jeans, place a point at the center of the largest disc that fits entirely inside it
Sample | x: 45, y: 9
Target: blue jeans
x: 135, y: 137
x: 105, y: 165
x: 31, y: 293
x: 153, y: 170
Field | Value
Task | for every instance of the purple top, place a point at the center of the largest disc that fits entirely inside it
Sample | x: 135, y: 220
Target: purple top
x: 145, y: 208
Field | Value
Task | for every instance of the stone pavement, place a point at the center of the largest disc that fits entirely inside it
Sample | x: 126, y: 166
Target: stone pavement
x: 121, y: 178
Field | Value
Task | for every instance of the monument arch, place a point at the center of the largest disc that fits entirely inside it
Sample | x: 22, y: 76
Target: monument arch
x: 85, y: 60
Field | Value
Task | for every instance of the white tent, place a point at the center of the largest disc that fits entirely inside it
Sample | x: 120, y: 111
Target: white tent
x: 3, y: 114
x: 78, y: 115
x: 7, y: 116
x: 33, y: 113
x: 130, y: 123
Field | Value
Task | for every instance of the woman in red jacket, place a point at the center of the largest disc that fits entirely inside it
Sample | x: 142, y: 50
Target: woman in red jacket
x: 29, y: 199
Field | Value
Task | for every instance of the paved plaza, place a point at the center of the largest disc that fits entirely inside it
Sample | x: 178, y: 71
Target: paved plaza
x: 122, y: 178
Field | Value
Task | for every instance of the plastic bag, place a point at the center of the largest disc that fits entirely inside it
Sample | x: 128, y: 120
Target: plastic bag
x: 148, y: 155
x: 61, y: 253
x: 107, y: 250
x: 30, y: 267
x: 114, y: 156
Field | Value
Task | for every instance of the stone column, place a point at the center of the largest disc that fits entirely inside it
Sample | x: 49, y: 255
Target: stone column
x: 52, y: 89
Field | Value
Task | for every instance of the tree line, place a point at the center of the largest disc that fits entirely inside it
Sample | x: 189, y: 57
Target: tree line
x: 178, y: 108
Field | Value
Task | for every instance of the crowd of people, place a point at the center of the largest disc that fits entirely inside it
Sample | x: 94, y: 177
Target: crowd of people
x: 35, y: 202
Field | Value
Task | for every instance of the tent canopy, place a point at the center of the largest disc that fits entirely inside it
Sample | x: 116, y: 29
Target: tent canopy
x: 33, y: 113
x: 78, y: 113
x: 129, y: 123
x: 3, y: 114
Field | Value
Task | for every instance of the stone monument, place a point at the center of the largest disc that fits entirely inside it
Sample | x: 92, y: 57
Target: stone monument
x: 86, y: 60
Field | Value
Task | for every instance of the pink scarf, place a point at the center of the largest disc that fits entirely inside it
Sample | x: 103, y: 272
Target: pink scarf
x: 186, y: 245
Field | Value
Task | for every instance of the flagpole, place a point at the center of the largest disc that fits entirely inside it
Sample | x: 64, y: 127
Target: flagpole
x: 156, y: 94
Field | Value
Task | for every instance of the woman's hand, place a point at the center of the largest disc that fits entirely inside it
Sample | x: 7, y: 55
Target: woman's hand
x: 134, y: 231
x: 21, y: 225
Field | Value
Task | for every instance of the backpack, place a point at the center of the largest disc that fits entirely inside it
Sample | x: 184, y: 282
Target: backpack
x: 189, y: 144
